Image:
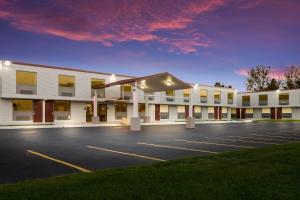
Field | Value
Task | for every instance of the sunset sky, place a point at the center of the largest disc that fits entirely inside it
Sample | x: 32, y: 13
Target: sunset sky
x: 200, y: 41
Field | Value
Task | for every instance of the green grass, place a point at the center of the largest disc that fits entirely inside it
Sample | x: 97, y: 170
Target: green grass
x: 277, y: 120
x: 265, y: 173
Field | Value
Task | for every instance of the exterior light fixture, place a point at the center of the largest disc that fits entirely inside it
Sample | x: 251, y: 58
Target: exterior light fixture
x: 113, y: 77
x: 169, y: 82
x: 277, y: 90
x: 143, y: 84
x: 196, y: 86
x: 7, y: 62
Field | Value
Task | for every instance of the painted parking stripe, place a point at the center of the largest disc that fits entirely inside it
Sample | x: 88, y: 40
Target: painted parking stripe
x: 218, y: 144
x: 275, y: 136
x: 58, y: 161
x: 125, y: 153
x: 259, y: 138
x: 174, y: 147
x: 28, y: 132
x: 283, y: 134
x: 246, y: 141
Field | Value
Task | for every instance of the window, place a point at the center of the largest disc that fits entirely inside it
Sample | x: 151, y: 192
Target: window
x: 246, y: 100
x: 230, y: 98
x: 197, y: 112
x: 224, y: 112
x: 22, y: 110
x: 263, y: 100
x: 126, y: 92
x: 186, y: 95
x: 233, y: 113
x: 142, y: 109
x: 249, y: 113
x: 203, y: 96
x: 211, y: 112
x: 62, y: 110
x: 266, y: 112
x: 120, y: 110
x: 97, y: 85
x: 284, y: 99
x: 286, y: 112
x: 170, y: 95
x: 66, y: 85
x: 25, y: 82
x: 217, y: 97
x: 181, y: 112
x: 164, y: 112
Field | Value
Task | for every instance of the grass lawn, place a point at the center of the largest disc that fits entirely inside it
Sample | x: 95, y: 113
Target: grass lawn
x: 265, y: 173
x: 277, y: 120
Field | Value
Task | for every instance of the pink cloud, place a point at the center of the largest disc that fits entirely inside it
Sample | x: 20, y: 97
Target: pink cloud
x: 108, y: 22
x: 276, y: 73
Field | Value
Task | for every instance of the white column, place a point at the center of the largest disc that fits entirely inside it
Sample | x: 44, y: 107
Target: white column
x: 44, y: 111
x: 95, y: 104
x: 190, y: 121
x: 191, y: 103
x: 135, y: 101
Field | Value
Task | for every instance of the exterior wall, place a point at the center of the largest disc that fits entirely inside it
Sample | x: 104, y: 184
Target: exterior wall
x: 296, y: 113
x: 78, y: 112
x: 257, y: 113
x: 6, y: 111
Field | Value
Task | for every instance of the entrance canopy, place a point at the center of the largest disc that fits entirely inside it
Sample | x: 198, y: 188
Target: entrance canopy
x: 154, y: 83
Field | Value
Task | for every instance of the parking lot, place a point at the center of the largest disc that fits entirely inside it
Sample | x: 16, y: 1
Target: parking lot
x: 38, y: 153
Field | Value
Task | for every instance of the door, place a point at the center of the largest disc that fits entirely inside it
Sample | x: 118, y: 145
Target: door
x: 243, y: 113
x: 49, y: 111
x: 102, y: 112
x: 216, y: 112
x: 89, y: 112
x: 157, y: 112
x: 187, y: 110
x: 238, y: 113
x: 38, y: 111
x: 273, y: 113
x: 220, y: 112
x: 279, y: 113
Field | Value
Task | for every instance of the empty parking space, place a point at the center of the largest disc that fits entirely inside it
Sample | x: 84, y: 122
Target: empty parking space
x: 38, y: 153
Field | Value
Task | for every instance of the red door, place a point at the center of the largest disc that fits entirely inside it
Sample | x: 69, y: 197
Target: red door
x: 272, y: 113
x: 279, y: 113
x: 216, y: 112
x: 157, y: 112
x: 49, y: 111
x: 238, y: 113
x: 187, y: 111
x: 220, y: 112
x: 243, y: 113
x: 38, y: 111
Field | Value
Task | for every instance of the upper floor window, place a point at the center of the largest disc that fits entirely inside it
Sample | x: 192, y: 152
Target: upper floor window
x: 186, y: 95
x: 230, y: 98
x: 97, y: 86
x: 170, y: 95
x: 263, y: 99
x: 126, y: 93
x: 246, y: 100
x: 217, y: 97
x: 284, y: 99
x: 25, y: 82
x: 66, y: 85
x: 203, y: 96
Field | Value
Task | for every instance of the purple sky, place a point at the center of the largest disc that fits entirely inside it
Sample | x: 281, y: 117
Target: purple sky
x: 200, y: 41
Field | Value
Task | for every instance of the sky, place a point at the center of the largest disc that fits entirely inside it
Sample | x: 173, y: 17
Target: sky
x: 199, y: 41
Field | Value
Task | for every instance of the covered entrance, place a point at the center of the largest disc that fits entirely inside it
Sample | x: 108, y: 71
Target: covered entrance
x: 101, y: 112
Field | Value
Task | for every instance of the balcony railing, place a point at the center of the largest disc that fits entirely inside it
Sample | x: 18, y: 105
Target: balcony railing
x: 263, y: 103
x: 246, y: 103
x: 284, y: 102
x: 66, y: 91
x: 203, y: 99
x: 186, y: 99
x: 62, y: 115
x: 26, y: 89
x: 100, y: 93
x: 170, y: 98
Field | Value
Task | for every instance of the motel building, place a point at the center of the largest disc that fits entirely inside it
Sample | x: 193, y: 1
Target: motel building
x: 41, y: 94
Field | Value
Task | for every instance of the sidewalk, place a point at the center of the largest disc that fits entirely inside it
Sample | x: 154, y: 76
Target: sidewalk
x: 33, y: 126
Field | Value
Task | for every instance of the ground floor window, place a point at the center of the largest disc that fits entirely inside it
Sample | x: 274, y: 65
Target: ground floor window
x: 142, y: 109
x: 22, y: 110
x: 180, y: 112
x: 224, y: 112
x: 164, y: 112
x: 120, y: 110
x: 233, y: 113
x: 266, y: 113
x: 211, y: 113
x: 249, y: 113
x: 62, y: 110
x: 286, y: 112
x: 197, y: 112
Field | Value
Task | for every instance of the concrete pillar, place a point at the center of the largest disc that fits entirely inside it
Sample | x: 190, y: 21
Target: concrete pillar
x: 147, y: 116
x: 95, y: 118
x: 135, y: 122
x: 190, y: 121
x: 44, y: 111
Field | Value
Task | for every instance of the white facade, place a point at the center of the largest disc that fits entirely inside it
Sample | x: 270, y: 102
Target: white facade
x: 46, y: 94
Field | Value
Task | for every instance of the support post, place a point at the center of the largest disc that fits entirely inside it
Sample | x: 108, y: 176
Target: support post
x: 44, y: 111
x: 135, y: 122
x: 190, y: 120
x: 147, y: 117
x: 95, y: 118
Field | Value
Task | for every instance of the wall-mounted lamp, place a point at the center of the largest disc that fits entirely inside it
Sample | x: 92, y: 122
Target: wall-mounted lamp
x: 196, y: 86
x: 7, y: 62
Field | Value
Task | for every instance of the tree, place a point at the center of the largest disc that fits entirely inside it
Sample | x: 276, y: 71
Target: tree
x: 258, y: 78
x: 219, y: 84
x: 292, y: 77
x: 273, y: 85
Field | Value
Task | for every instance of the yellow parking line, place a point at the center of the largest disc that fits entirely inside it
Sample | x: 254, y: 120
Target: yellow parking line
x: 247, y: 141
x: 58, y: 161
x: 173, y: 147
x: 219, y: 144
x: 125, y: 153
x: 258, y: 138
x: 275, y: 136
